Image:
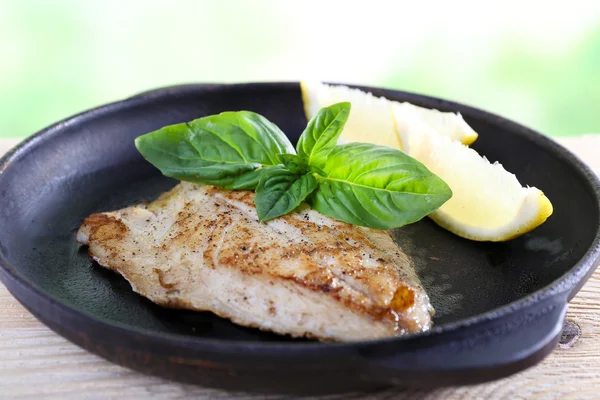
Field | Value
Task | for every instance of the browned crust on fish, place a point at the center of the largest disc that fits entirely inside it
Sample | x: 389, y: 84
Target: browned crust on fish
x: 381, y: 291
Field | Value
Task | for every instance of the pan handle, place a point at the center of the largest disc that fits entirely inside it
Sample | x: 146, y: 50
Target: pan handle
x: 171, y: 89
x: 485, y: 351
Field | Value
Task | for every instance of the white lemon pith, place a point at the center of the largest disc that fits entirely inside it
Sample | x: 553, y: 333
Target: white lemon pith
x: 371, y: 121
x: 488, y: 202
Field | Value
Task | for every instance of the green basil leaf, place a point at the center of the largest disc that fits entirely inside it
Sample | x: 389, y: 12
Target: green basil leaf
x: 293, y: 163
x: 230, y: 150
x: 376, y: 186
x: 322, y: 132
x: 280, y: 191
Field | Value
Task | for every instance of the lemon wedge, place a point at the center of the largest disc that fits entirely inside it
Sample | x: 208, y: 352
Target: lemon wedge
x: 370, y: 120
x: 488, y: 202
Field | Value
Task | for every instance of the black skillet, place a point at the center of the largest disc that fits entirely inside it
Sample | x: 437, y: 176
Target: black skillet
x: 500, y: 306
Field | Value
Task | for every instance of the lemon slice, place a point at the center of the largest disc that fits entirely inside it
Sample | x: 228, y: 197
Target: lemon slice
x: 370, y: 120
x: 488, y: 202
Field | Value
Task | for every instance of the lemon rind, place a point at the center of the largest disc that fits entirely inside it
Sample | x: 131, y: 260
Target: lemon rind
x: 535, y: 209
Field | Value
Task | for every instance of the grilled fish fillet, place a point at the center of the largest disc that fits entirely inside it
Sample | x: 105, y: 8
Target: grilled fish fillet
x: 304, y: 274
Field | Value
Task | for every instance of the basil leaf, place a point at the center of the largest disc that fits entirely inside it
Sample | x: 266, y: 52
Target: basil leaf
x: 322, y: 132
x: 377, y: 186
x: 293, y: 163
x: 229, y: 150
x: 280, y: 191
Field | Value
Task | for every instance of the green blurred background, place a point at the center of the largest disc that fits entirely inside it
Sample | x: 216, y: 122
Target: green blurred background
x: 530, y: 61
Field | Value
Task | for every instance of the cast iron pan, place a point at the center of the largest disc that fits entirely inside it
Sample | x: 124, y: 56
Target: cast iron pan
x: 500, y: 306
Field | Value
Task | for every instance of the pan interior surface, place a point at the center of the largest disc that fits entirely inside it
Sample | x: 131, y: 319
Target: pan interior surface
x: 90, y: 165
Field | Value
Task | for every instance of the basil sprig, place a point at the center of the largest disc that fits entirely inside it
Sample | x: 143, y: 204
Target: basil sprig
x: 359, y: 183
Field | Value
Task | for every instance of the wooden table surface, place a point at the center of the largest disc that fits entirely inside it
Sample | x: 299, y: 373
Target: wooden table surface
x: 35, y: 362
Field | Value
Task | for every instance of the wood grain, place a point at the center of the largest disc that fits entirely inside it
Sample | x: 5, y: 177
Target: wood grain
x: 35, y: 362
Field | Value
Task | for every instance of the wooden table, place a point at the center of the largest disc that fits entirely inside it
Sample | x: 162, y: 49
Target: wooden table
x: 35, y: 362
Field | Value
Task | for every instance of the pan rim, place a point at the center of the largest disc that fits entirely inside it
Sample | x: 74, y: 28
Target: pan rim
x: 560, y: 286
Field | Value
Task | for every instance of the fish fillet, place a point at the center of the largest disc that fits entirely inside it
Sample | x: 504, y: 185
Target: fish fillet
x: 304, y: 274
